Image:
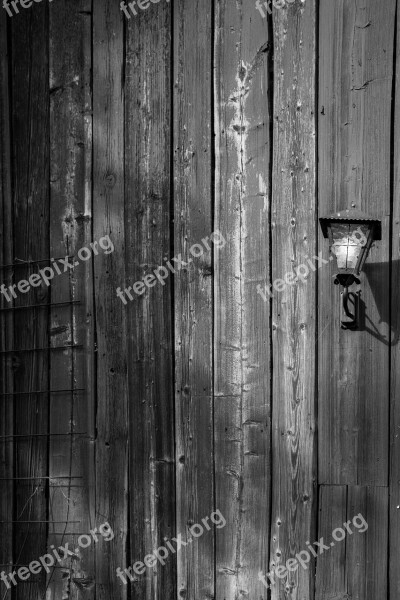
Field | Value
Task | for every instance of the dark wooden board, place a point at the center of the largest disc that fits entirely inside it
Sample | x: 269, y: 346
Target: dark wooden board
x: 70, y: 230
x: 394, y: 482
x: 331, y: 571
x: 108, y: 219
x: 367, y: 553
x: 357, y: 565
x: 149, y: 316
x: 30, y: 131
x: 355, y: 85
x: 6, y: 319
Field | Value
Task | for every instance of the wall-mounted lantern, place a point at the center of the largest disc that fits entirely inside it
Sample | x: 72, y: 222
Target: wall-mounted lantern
x: 350, y: 234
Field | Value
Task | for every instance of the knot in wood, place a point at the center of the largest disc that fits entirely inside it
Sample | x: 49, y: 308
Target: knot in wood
x: 110, y: 180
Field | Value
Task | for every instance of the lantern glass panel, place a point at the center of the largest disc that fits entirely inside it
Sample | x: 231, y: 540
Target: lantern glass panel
x: 348, y: 241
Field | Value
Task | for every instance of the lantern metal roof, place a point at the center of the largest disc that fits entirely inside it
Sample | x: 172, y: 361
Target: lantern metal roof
x: 351, y: 216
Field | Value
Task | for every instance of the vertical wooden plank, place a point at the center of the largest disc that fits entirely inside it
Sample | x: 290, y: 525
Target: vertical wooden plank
x: 293, y: 239
x: 394, y: 492
x: 355, y: 75
x: 366, y: 553
x: 30, y: 127
x: 6, y: 320
x: 193, y: 291
x: 242, y: 331
x: 71, y: 458
x: 331, y: 581
x: 108, y: 219
x: 356, y: 566
x: 147, y: 214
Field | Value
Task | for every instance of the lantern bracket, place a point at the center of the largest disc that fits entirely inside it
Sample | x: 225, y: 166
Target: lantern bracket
x: 350, y: 309
x: 345, y: 279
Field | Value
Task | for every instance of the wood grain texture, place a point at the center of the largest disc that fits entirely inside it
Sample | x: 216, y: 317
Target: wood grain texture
x: 355, y: 566
x: 70, y: 230
x: 199, y: 394
x: 30, y: 130
x: 293, y: 239
x: 149, y: 316
x: 366, y: 553
x: 331, y: 567
x: 6, y: 319
x: 108, y: 219
x: 394, y: 491
x: 355, y: 75
x: 192, y: 130
x: 242, y: 329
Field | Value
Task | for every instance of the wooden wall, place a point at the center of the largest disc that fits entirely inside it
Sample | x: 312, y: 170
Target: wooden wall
x: 191, y: 117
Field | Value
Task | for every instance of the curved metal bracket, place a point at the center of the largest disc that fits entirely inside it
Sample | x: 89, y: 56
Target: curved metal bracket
x: 349, y: 309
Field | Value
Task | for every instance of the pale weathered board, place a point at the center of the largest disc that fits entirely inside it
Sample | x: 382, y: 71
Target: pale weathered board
x: 294, y: 314
x: 192, y: 169
x: 242, y: 319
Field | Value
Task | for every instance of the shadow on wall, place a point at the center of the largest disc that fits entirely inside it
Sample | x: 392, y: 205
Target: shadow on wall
x: 376, y: 274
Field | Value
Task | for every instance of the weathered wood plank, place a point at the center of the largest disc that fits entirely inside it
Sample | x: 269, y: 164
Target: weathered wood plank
x: 30, y: 127
x: 394, y: 492
x: 293, y: 240
x: 149, y: 322
x: 331, y: 581
x: 366, y: 553
x: 242, y: 331
x: 355, y: 566
x: 108, y: 219
x: 6, y: 320
x: 192, y: 121
x: 70, y: 230
x: 355, y: 75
